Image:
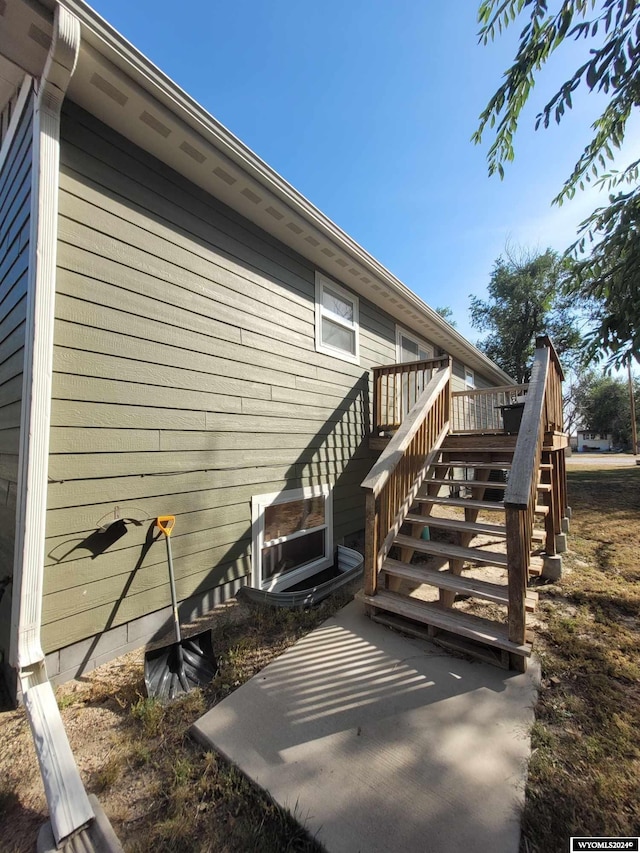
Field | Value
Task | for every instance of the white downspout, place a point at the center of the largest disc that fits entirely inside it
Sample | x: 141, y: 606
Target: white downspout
x: 69, y: 805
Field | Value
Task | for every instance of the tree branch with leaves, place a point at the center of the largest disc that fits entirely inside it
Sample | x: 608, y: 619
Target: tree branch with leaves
x: 526, y: 299
x: 607, y: 250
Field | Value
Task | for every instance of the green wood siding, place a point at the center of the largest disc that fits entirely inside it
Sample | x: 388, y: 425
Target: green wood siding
x: 458, y: 378
x: 15, y: 207
x: 185, y: 381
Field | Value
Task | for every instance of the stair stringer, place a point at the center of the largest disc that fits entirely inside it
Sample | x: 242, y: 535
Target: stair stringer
x: 434, y: 617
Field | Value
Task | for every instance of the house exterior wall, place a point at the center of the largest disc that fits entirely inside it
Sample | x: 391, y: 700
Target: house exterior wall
x: 593, y: 441
x: 458, y: 379
x: 15, y: 218
x: 185, y: 381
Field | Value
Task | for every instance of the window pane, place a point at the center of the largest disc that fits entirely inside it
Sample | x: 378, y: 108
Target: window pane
x: 337, y: 336
x: 293, y: 554
x: 337, y: 304
x: 408, y: 349
x: 284, y: 519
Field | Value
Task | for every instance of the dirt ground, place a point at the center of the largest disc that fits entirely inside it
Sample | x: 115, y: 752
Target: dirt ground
x: 601, y: 460
x: 157, y: 787
x: 137, y: 757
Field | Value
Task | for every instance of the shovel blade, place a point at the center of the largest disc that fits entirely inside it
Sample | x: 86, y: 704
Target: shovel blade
x: 175, y: 669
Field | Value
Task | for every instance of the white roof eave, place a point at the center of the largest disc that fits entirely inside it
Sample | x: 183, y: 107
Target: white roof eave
x: 299, y: 225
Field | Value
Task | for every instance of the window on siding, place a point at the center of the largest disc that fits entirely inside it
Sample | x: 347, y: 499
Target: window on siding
x: 292, y: 536
x: 411, y: 348
x: 469, y: 378
x: 336, y: 320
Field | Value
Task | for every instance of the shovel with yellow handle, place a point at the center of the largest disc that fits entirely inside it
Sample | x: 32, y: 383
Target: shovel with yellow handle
x: 185, y: 664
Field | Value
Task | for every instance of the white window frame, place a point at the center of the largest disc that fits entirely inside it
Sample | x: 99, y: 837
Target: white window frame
x: 420, y: 342
x: 471, y: 386
x: 323, y: 281
x: 286, y: 579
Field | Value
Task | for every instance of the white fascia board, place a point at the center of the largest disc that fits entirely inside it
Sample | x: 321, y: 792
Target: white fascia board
x: 143, y: 73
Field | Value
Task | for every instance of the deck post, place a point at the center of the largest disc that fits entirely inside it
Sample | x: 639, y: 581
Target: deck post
x: 370, y: 546
x: 558, y: 501
x: 518, y: 570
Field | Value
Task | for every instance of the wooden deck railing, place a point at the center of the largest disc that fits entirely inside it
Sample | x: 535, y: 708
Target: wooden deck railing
x: 542, y: 414
x: 395, y: 479
x: 480, y: 409
x: 397, y: 387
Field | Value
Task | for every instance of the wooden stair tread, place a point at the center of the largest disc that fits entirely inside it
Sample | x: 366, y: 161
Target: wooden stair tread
x: 480, y: 528
x: 457, y: 524
x: 445, y: 580
x: 465, y: 463
x: 476, y: 628
x: 472, y: 503
x: 486, y: 484
x: 477, y: 449
x: 469, y: 503
x: 460, y: 584
x: 455, y: 552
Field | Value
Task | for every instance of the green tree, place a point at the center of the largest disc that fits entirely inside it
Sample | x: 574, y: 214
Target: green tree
x: 525, y: 300
x: 610, y: 30
x: 603, y: 405
x: 447, y: 314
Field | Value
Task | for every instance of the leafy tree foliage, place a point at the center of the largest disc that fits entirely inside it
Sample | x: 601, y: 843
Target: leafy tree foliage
x: 610, y: 30
x: 525, y: 300
x: 603, y: 405
x: 447, y: 314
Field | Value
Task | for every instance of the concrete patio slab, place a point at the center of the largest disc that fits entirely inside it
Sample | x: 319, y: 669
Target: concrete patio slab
x: 378, y: 742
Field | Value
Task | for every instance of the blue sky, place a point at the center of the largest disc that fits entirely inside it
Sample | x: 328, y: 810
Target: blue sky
x: 367, y: 107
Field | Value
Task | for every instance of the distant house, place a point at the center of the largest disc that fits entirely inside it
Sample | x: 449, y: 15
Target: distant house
x: 594, y: 441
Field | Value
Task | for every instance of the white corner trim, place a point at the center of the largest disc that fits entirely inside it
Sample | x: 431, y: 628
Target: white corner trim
x: 69, y: 805
x: 38, y: 358
x: 25, y: 90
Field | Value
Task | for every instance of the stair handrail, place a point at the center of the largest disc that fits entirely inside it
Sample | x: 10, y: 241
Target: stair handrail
x: 542, y: 414
x: 528, y: 449
x: 393, y: 482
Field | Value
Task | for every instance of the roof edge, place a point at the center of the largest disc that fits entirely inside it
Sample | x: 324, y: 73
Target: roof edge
x: 163, y: 88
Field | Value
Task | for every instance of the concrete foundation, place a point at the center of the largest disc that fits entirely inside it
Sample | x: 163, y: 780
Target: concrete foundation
x: 565, y: 525
x: 561, y: 542
x: 552, y: 567
x: 79, y: 658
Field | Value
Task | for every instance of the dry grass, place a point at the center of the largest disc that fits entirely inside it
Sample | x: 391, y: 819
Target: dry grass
x: 163, y: 794
x: 158, y: 788
x: 584, y: 774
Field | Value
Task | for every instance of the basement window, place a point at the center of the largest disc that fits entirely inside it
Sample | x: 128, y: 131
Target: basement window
x: 292, y: 536
x: 337, y: 329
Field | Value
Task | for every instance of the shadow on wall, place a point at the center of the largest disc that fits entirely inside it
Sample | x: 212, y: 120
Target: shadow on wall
x: 163, y: 295
x: 148, y: 575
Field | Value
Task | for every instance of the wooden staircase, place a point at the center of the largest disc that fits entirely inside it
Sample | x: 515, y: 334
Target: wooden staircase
x: 451, y: 538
